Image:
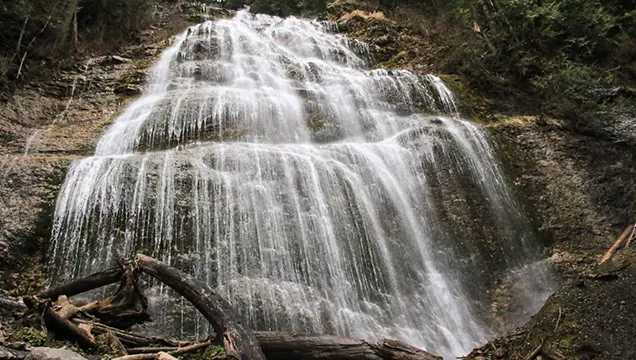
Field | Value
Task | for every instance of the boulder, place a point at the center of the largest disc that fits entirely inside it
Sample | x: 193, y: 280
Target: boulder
x: 46, y: 353
x: 8, y: 354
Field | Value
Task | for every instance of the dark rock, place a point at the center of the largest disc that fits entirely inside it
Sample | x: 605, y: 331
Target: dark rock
x: 5, y: 353
x: 383, y: 40
x: 10, y: 354
x: 10, y: 305
x: 128, y: 90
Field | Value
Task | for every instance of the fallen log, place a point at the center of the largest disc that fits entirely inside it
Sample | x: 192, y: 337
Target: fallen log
x: 238, y: 341
x: 82, y: 285
x: 281, y: 346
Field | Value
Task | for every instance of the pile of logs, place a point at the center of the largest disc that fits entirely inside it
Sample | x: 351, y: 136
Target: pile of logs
x: 110, y: 318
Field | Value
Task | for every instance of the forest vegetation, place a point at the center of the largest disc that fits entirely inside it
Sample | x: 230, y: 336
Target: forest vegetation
x: 573, y: 59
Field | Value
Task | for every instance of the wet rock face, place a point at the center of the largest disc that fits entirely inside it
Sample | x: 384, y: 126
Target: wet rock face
x: 27, y: 191
x: 580, y: 192
x: 43, y: 127
x: 581, y: 189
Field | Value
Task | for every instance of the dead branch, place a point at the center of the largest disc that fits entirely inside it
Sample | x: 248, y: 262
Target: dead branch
x: 178, y: 351
x: 558, y: 321
x: 534, y: 352
x: 33, y: 39
x: 622, y: 241
x: 238, y: 341
x: 132, y: 339
x: 64, y: 328
x: 631, y: 237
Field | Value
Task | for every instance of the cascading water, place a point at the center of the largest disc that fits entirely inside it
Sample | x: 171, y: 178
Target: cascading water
x: 265, y: 158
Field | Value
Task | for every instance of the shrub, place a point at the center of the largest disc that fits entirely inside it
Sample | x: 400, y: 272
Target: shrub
x: 562, y: 52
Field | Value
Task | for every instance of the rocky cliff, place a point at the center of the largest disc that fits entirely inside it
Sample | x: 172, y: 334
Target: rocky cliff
x: 578, y: 187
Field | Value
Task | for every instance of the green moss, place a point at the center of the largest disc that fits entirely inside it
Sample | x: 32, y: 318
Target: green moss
x: 470, y: 102
x: 316, y: 123
x: 211, y: 353
x: 31, y: 336
x: 395, y: 61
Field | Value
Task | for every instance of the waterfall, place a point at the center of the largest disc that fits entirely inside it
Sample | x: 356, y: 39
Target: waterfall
x: 269, y: 160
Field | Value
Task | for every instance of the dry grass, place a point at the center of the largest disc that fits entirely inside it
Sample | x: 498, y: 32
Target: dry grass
x: 364, y: 15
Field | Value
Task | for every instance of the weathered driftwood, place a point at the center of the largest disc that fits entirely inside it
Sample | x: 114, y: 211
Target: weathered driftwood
x: 238, y: 341
x: 622, y: 241
x: 281, y: 346
x: 82, y: 285
x: 65, y: 328
x: 132, y: 339
x: 157, y: 354
x: 165, y: 356
x: 127, y: 306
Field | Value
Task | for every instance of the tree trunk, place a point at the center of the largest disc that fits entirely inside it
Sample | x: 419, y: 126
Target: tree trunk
x: 239, y: 342
x: 67, y: 32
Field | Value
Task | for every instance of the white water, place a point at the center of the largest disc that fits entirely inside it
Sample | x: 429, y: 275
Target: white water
x: 268, y: 160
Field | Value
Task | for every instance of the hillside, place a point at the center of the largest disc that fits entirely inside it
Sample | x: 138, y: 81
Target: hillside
x: 551, y: 84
